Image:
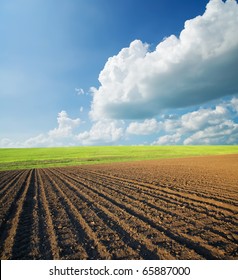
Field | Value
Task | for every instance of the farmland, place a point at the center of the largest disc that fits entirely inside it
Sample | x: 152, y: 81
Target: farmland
x: 158, y: 209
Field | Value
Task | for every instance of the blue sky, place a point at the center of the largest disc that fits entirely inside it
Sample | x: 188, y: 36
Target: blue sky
x: 128, y: 72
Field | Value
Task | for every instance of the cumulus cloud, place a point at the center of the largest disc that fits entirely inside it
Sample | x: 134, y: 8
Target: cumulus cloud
x: 198, y: 66
x: 217, y: 125
x: 149, y: 126
x: 65, y: 126
x: 234, y: 104
x: 102, y: 132
x: 199, y: 119
x: 65, y: 134
x: 8, y: 143
x: 204, y: 126
x: 41, y: 140
x: 226, y: 132
x: 168, y: 139
x: 59, y: 136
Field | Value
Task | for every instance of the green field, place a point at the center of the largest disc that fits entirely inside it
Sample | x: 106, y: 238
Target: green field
x: 48, y: 157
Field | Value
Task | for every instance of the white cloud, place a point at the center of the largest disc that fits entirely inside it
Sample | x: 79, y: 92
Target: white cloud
x: 234, y: 104
x: 200, y: 119
x: 102, y: 132
x: 199, y: 66
x: 204, y: 126
x: 149, y: 126
x: 8, y: 143
x: 226, y: 132
x: 41, y: 140
x: 168, y: 139
x: 195, y: 120
x: 63, y: 135
x: 65, y: 126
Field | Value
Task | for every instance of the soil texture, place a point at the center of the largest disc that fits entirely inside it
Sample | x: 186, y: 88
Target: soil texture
x: 165, y: 209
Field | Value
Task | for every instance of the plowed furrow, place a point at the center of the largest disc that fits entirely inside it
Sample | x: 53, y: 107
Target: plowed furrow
x: 38, y: 231
x: 159, y: 192
x: 132, y: 206
x: 13, y: 222
x: 137, y: 227
x: 50, y: 243
x: 9, y: 200
x: 225, y: 205
x: 225, y: 190
x: 22, y: 248
x: 6, y: 174
x: 165, y: 205
x: 222, y: 189
x: 84, y: 235
x: 144, y: 216
x: 197, y: 188
x: 177, y: 197
x: 104, y: 229
x: 10, y: 186
x: 110, y: 228
x: 66, y: 242
x: 170, y: 210
x: 7, y: 179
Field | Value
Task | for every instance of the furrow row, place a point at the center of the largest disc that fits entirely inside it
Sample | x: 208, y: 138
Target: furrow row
x: 211, y: 233
x: 110, y: 224
x: 83, y: 234
x: 186, y: 209
x: 137, y: 210
x: 67, y: 232
x: 51, y: 244
x: 27, y: 231
x: 13, y: 222
x: 183, y: 181
x: 224, y: 204
x: 178, y: 209
x: 7, y: 176
x: 8, y: 200
x: 156, y: 210
x: 10, y: 182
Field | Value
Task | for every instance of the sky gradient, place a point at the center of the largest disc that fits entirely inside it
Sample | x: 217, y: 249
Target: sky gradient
x: 122, y: 72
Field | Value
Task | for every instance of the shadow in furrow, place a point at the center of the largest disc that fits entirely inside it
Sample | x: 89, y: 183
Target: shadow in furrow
x: 5, y: 224
x: 22, y: 248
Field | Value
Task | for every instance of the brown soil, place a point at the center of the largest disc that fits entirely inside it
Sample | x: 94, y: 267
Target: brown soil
x: 167, y: 209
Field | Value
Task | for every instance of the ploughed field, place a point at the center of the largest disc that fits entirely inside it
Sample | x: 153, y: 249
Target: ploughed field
x: 166, y: 209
